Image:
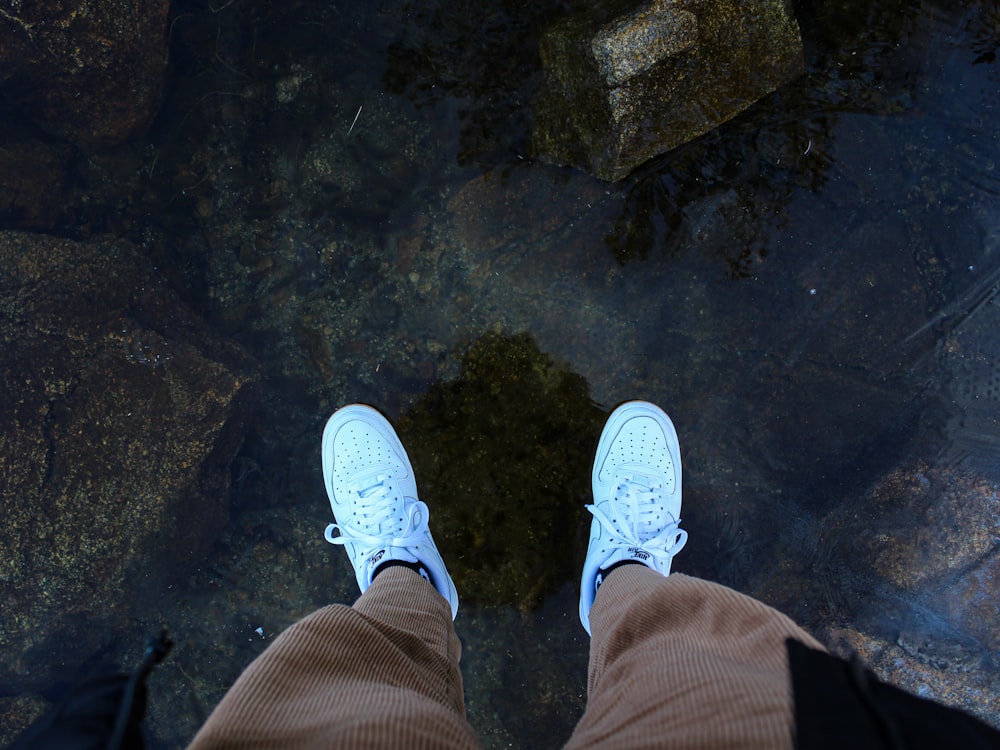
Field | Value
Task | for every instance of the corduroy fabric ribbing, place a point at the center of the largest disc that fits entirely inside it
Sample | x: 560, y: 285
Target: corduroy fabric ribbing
x: 383, y: 673
x: 675, y: 662
x: 680, y: 662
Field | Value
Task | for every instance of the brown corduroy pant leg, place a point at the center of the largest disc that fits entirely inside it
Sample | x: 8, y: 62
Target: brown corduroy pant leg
x: 383, y: 673
x: 674, y: 662
x: 680, y: 662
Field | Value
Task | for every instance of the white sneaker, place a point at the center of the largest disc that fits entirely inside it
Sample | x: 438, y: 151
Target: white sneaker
x: 637, y: 497
x: 374, y: 498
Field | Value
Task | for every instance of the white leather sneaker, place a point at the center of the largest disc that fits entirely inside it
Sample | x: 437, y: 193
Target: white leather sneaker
x: 637, y: 497
x: 374, y: 498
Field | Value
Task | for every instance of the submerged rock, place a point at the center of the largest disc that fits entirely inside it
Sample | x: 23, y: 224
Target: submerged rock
x: 120, y: 416
x: 34, y: 181
x: 503, y: 456
x: 89, y: 72
x: 922, y: 551
x: 625, y: 83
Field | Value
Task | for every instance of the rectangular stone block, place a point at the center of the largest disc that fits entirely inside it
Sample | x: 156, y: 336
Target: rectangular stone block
x: 627, y: 81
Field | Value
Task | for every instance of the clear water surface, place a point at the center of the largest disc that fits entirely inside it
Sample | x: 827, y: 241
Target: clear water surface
x: 348, y: 191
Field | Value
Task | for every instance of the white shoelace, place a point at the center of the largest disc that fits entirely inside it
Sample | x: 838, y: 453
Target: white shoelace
x: 374, y: 512
x: 641, y: 504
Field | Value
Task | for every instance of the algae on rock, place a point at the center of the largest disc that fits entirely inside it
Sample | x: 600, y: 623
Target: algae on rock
x: 503, y: 458
x: 626, y: 82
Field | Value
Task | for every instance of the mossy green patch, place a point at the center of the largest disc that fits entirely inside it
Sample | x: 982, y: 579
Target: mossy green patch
x: 503, y: 458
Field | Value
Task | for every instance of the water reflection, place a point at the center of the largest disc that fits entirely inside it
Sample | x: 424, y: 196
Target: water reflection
x: 809, y: 290
x: 483, y: 67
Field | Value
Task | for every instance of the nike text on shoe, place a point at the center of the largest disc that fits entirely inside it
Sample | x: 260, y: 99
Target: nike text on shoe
x: 637, y: 497
x: 374, y: 498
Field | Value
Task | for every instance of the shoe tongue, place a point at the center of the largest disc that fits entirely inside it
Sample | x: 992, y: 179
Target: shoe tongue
x: 365, y: 482
x: 638, y: 475
x: 646, y: 482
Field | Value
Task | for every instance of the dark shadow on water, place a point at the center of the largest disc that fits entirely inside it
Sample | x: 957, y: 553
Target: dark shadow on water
x: 484, y: 66
x: 504, y: 453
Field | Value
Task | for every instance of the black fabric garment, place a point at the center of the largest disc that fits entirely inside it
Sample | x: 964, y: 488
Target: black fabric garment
x: 85, y: 719
x: 104, y: 712
x: 840, y: 704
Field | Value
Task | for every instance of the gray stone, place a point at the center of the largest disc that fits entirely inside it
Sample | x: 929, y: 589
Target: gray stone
x: 120, y: 414
x: 625, y: 83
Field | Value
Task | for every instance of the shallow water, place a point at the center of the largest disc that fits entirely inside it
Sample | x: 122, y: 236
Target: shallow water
x: 808, y: 291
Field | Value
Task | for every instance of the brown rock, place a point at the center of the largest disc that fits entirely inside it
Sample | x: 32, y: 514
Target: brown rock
x: 934, y: 524
x: 34, y: 181
x: 514, y: 206
x: 119, y: 416
x: 87, y: 71
x: 947, y: 672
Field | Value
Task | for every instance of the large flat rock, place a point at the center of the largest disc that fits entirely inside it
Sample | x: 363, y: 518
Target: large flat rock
x: 120, y: 416
x: 89, y: 72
